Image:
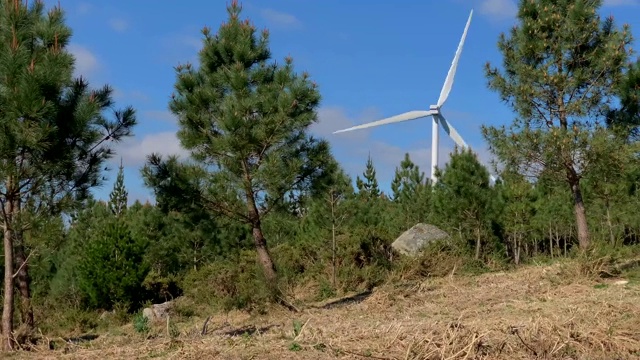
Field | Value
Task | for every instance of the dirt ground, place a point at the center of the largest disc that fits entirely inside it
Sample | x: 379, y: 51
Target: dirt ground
x: 536, y: 312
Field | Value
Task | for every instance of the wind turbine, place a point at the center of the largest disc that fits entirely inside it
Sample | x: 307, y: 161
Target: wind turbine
x: 434, y: 112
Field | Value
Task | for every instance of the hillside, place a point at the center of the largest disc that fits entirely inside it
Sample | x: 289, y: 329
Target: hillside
x: 551, y: 312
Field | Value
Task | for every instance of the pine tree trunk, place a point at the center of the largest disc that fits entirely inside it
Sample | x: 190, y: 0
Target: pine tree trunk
x: 258, y: 236
x: 7, y: 310
x: 259, y: 241
x: 23, y: 278
x: 612, y: 237
x: 333, y: 252
x: 263, y: 255
x: 24, y: 283
x: 518, y: 248
x: 581, y: 216
x: 478, y: 244
x: 551, y: 242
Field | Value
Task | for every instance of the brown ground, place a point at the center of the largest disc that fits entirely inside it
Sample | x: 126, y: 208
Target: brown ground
x: 536, y: 312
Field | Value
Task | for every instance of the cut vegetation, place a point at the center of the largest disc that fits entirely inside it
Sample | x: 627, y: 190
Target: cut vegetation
x: 261, y: 246
x: 546, y: 312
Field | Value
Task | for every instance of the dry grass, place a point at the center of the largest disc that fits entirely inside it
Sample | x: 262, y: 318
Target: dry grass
x: 549, y: 312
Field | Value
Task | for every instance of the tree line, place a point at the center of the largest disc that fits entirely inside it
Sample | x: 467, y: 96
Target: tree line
x: 262, y: 207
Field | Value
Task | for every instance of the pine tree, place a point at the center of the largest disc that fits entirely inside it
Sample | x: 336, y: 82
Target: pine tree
x: 408, y: 180
x: 518, y: 196
x: 463, y: 197
x: 627, y: 116
x: 561, y: 66
x: 53, y: 135
x: 112, y: 267
x: 369, y: 186
x: 118, y: 196
x: 248, y: 118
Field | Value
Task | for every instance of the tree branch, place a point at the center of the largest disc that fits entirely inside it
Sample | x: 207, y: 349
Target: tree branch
x: 22, y: 265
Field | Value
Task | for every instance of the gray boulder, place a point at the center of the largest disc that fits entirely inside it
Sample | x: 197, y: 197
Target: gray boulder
x: 157, y: 311
x: 412, y: 241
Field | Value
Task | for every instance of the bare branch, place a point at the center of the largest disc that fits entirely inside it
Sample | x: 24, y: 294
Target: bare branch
x: 22, y: 265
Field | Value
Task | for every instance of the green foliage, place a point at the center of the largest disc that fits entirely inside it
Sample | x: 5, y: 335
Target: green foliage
x: 407, y: 180
x: 517, y: 196
x: 141, y: 324
x: 53, y: 136
x: 561, y: 66
x: 627, y: 116
x: 118, y: 196
x: 235, y: 283
x: 256, y: 173
x: 112, y: 268
x: 463, y: 199
x: 369, y: 186
x: 247, y: 117
x: 244, y: 118
x: 411, y: 193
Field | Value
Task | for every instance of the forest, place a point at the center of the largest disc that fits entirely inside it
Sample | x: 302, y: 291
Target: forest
x: 262, y: 216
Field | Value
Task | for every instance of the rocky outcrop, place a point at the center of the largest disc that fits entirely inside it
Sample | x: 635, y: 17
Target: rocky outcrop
x: 412, y: 241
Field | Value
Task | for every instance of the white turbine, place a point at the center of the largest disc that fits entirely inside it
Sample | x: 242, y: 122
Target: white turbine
x: 434, y: 111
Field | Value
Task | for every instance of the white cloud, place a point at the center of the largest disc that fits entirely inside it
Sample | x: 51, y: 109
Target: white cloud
x: 278, y: 18
x: 118, y: 24
x: 499, y: 9
x: 86, y: 63
x: 181, y: 48
x: 188, y: 41
x: 134, y: 151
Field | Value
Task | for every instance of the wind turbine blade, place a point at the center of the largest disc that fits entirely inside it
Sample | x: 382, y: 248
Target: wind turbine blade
x: 453, y: 133
x: 448, y: 83
x: 411, y: 115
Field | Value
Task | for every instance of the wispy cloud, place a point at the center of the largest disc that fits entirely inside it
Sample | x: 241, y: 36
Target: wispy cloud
x: 280, y: 19
x: 83, y: 8
x: 86, y: 63
x: 134, y: 151
x: 499, y: 9
x: 181, y: 47
x: 119, y: 24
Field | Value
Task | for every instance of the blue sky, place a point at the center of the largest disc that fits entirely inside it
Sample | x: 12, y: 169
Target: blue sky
x: 371, y: 60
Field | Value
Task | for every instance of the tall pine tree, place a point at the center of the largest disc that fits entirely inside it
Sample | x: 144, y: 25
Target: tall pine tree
x: 463, y: 197
x: 246, y: 118
x: 119, y: 194
x: 369, y: 186
x: 53, y: 135
x: 561, y: 64
x: 408, y: 180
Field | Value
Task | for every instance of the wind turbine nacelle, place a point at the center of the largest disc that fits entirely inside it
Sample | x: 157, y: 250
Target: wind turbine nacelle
x: 434, y: 108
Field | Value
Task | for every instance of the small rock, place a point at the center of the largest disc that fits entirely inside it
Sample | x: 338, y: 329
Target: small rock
x: 106, y: 314
x: 148, y: 313
x: 621, y: 282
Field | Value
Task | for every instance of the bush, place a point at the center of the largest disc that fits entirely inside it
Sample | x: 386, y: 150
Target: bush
x: 230, y: 284
x: 112, y: 269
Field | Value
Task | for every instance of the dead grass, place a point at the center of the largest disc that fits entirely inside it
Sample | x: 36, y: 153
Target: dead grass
x: 550, y: 312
